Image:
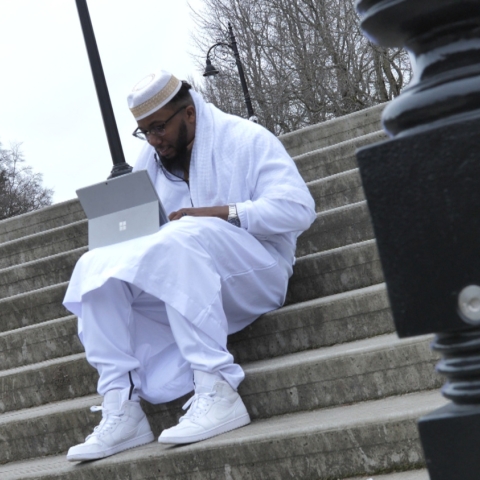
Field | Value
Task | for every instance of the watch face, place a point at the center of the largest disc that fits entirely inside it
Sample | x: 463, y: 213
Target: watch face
x: 234, y: 221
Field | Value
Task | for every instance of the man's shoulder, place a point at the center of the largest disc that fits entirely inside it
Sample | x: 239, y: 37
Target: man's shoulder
x: 234, y: 134
x: 239, y: 127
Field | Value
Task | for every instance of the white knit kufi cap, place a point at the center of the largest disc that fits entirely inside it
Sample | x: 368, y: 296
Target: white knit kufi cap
x: 152, y: 93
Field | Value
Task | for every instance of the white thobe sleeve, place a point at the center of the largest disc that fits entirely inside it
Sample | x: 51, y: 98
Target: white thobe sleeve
x: 280, y: 201
x: 268, y: 216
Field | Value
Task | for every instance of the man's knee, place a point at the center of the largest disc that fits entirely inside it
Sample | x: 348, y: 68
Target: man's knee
x: 190, y: 230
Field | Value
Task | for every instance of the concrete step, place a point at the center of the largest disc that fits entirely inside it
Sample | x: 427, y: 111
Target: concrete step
x: 336, y: 158
x: 46, y: 382
x: 410, y: 475
x: 342, y: 374
x: 357, y: 371
x: 39, y: 343
x: 44, y: 304
x: 363, y: 439
x: 32, y: 307
x: 40, y: 220
x: 359, y: 261
x: 329, y: 193
x: 38, y: 273
x: 44, y: 244
x: 337, y: 191
x: 332, y: 229
x: 336, y: 228
x: 334, y: 271
x: 333, y: 131
x: 341, y: 318
x: 336, y: 319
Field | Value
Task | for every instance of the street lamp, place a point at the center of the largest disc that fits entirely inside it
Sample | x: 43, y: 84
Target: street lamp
x: 211, y: 70
x: 120, y: 167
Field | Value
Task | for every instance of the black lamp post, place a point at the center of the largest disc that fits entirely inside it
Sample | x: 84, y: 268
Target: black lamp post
x: 120, y: 167
x: 423, y: 192
x: 211, y: 70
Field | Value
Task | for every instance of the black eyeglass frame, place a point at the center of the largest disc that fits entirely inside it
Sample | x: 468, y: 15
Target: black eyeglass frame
x: 156, y: 130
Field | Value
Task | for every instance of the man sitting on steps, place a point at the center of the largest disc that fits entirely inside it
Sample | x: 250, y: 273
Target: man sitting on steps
x: 154, y: 313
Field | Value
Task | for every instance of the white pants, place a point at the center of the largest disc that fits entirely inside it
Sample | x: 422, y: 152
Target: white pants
x: 154, y: 309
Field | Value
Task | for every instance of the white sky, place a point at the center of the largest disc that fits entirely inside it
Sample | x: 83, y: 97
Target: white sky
x: 48, y: 99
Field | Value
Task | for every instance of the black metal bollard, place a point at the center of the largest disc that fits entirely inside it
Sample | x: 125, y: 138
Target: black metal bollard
x: 423, y: 192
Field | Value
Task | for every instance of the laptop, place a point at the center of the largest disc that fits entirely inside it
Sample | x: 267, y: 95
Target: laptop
x: 121, y: 208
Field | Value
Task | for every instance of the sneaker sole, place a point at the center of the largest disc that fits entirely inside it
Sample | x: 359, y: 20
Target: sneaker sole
x: 134, y: 442
x: 226, y: 427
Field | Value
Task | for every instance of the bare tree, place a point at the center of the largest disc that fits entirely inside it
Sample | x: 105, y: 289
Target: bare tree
x: 305, y: 60
x: 21, y: 189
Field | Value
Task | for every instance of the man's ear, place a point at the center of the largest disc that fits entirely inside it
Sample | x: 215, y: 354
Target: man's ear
x: 191, y: 114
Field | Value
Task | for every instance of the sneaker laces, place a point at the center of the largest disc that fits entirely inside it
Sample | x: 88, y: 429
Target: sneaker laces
x: 199, y: 404
x: 109, y: 420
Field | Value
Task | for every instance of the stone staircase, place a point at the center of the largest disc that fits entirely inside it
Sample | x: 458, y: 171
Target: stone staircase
x: 333, y: 394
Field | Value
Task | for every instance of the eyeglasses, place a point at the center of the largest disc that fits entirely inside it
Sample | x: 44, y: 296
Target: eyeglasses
x: 156, y: 130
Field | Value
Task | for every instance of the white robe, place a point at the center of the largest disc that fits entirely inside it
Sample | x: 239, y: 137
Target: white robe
x: 193, y: 261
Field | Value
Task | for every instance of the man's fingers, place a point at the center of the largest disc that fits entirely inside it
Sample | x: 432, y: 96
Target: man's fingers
x: 177, y: 215
x: 221, y: 212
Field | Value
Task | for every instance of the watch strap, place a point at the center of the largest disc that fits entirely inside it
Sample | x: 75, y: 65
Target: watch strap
x: 233, y: 215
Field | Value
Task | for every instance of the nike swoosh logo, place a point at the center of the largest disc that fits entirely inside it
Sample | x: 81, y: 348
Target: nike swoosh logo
x: 128, y: 434
x: 223, y: 412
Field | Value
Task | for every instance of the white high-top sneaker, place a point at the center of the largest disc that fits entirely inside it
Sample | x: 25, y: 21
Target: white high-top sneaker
x: 214, y: 409
x: 123, y: 426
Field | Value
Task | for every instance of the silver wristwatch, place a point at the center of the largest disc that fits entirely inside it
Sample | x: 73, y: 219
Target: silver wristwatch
x: 233, y: 215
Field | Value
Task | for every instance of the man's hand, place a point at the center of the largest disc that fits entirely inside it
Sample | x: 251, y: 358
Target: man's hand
x: 219, y: 212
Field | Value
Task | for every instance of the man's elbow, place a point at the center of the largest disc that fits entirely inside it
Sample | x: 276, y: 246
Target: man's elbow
x: 306, y: 218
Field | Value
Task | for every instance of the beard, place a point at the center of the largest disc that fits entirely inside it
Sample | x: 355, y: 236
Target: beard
x: 178, y: 163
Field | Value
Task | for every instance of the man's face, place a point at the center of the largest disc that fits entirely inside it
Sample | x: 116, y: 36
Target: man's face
x: 173, y: 146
